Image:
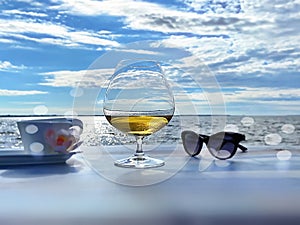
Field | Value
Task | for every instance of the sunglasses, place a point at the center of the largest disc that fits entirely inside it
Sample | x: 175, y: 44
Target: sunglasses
x: 222, y: 145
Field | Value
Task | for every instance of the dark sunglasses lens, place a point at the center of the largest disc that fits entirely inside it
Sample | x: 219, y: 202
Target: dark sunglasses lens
x: 221, y: 149
x: 191, y: 143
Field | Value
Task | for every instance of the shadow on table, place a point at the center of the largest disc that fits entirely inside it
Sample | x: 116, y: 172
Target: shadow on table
x: 41, y: 170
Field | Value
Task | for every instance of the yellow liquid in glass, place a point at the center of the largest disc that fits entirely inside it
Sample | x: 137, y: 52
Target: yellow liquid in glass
x: 139, y: 125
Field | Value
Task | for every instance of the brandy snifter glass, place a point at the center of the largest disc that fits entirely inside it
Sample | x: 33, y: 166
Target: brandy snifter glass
x: 138, y: 102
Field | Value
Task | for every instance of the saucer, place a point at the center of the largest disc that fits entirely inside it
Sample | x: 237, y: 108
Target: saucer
x: 19, y: 157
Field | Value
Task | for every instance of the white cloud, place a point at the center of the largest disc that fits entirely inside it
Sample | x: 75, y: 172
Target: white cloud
x: 139, y: 51
x: 26, y: 13
x: 245, y: 94
x: 50, y: 33
x: 208, y: 49
x: 142, y: 15
x: 30, y: 26
x: 213, y: 50
x: 8, y: 66
x: 244, y: 29
x: 274, y: 97
x: 215, y: 6
x: 7, y: 41
x: 83, y: 78
x: 262, y: 39
x: 6, y: 92
x: 246, y: 101
x: 108, y: 7
x: 262, y: 94
x: 84, y: 37
x: 30, y: 2
x: 27, y: 103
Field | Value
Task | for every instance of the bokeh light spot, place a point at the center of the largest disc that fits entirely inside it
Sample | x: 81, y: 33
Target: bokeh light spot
x: 222, y: 163
x: 284, y: 155
x: 76, y: 92
x: 288, y: 128
x: 40, y: 110
x: 273, y: 139
x: 247, y: 121
x: 70, y: 114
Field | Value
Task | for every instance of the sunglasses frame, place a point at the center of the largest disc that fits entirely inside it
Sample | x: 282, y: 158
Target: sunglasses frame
x: 235, y: 139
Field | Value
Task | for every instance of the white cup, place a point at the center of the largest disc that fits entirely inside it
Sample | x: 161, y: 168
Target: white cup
x: 50, y: 136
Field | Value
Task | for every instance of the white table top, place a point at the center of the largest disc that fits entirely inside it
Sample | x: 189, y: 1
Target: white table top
x: 90, y: 186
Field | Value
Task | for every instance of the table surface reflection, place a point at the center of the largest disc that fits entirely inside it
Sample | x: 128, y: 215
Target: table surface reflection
x: 259, y: 182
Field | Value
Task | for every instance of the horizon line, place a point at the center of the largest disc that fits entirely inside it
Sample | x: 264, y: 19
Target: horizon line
x: 62, y: 115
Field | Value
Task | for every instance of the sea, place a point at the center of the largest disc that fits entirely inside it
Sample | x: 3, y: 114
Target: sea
x: 276, y: 132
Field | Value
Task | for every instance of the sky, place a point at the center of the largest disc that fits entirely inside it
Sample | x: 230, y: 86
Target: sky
x: 233, y: 57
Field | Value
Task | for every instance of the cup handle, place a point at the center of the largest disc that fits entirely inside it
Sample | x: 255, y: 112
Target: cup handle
x: 76, y: 128
x: 76, y: 122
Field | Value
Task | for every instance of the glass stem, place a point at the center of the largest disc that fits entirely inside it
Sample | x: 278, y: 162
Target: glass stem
x: 139, y: 146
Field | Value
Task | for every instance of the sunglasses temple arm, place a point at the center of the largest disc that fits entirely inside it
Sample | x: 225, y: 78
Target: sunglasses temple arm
x: 243, y: 148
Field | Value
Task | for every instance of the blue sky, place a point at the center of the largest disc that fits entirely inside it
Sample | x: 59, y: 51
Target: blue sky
x: 56, y: 53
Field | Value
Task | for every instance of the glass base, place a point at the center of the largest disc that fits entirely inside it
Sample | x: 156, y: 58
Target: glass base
x: 139, y: 162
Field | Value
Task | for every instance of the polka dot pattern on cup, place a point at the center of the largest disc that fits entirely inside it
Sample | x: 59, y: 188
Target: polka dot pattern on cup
x: 36, y: 147
x: 31, y: 129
